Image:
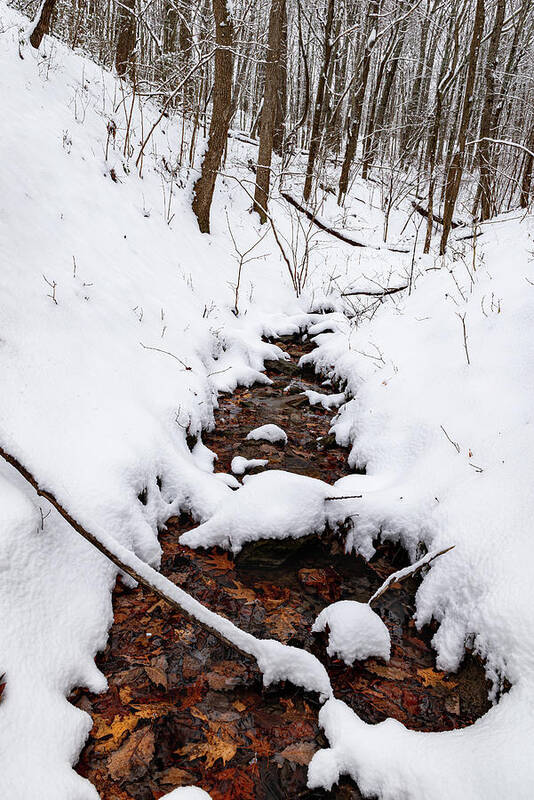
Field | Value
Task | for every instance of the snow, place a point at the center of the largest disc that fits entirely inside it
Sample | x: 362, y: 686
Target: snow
x: 448, y: 449
x: 104, y: 377
x: 187, y: 793
x: 268, y: 433
x: 356, y: 632
x: 117, y: 336
x: 240, y: 464
x: 271, y: 505
x: 327, y: 401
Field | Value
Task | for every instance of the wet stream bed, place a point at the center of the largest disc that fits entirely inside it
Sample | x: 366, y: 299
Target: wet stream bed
x: 182, y: 709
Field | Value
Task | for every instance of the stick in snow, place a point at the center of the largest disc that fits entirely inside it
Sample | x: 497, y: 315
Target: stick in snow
x: 320, y: 224
x: 275, y: 660
x: 380, y: 293
x: 402, y: 574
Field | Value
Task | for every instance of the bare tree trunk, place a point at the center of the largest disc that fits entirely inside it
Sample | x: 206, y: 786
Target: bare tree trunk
x: 484, y: 148
x: 281, y: 104
x: 454, y: 174
x: 376, y: 133
x: 42, y: 25
x: 127, y: 24
x: 268, y: 112
x: 528, y: 173
x: 220, y: 116
x: 319, y: 101
x: 410, y: 126
x: 352, y: 141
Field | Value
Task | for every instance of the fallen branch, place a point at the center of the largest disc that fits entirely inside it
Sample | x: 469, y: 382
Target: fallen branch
x: 402, y: 574
x: 275, y: 660
x: 332, y: 231
x: 436, y: 218
x: 346, y: 497
x: 380, y: 293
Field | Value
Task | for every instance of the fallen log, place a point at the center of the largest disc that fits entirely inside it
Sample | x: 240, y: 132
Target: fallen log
x: 332, y: 231
x: 435, y: 217
x: 379, y: 293
x: 275, y: 660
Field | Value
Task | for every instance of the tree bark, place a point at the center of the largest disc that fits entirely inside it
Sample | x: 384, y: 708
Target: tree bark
x: 484, y: 193
x: 454, y: 174
x: 319, y: 101
x: 42, y: 24
x: 528, y: 173
x: 269, y: 109
x: 357, y: 105
x: 220, y: 116
x: 281, y: 104
x: 127, y: 26
x: 376, y: 134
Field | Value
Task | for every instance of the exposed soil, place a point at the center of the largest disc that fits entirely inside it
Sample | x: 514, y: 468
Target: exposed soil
x: 182, y: 709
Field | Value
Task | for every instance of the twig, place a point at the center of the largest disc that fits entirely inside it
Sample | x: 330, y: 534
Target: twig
x: 166, y: 352
x: 338, y: 235
x: 454, y: 444
x: 346, y: 497
x: 402, y: 574
x: 462, y: 318
x: 381, y: 293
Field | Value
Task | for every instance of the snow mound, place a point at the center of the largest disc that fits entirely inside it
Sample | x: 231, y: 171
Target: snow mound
x: 271, y: 505
x: 268, y: 433
x: 356, y: 632
x: 187, y: 793
x: 327, y: 401
x: 240, y: 464
x: 279, y: 662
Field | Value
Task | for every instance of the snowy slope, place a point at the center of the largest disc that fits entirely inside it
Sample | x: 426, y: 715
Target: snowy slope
x: 116, y: 333
x: 92, y: 411
x: 449, y: 451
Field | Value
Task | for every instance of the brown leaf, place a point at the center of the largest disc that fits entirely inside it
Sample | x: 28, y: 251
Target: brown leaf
x: 133, y: 758
x: 109, y: 736
x: 299, y: 753
x: 213, y: 748
x: 157, y: 676
x: 431, y: 677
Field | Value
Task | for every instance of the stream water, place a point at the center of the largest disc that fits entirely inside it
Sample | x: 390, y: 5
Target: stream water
x: 182, y: 709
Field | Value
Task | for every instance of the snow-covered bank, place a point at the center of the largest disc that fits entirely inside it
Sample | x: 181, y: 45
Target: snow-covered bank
x: 445, y: 429
x: 117, y: 332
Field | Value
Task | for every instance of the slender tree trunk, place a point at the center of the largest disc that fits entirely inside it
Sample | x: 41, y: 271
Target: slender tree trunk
x: 42, y: 25
x: 127, y: 25
x: 281, y: 98
x: 454, y: 175
x: 220, y: 116
x: 268, y: 112
x: 528, y: 173
x: 410, y: 125
x: 359, y: 96
x: 319, y: 101
x: 376, y: 133
x: 483, y: 154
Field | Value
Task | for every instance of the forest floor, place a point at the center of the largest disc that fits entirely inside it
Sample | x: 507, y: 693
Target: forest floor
x: 183, y: 709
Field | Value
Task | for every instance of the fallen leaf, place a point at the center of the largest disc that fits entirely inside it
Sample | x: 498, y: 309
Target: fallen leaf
x: 133, y: 758
x: 432, y: 677
x: 110, y: 736
x: 157, y: 676
x: 299, y: 753
x: 213, y: 748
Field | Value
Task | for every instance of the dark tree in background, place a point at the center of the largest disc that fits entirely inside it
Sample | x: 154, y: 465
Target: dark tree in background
x: 220, y: 117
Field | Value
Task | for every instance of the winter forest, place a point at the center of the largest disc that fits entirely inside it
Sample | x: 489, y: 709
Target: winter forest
x: 266, y: 345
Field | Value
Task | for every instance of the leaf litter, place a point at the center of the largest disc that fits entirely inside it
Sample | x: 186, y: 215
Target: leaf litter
x: 182, y: 708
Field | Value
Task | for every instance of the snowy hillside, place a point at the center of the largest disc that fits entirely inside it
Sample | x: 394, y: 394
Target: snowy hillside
x: 117, y: 333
